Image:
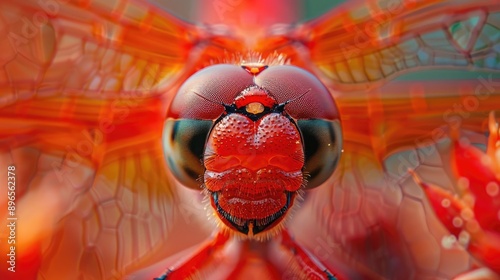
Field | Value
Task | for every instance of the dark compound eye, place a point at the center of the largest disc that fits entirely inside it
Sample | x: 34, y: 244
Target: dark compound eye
x: 184, y: 147
x: 322, y: 140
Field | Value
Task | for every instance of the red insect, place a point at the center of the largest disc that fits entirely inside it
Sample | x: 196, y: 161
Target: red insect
x: 264, y: 143
x: 111, y: 109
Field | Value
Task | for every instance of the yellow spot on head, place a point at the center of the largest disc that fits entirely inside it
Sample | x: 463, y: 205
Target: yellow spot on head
x: 254, y: 108
x: 254, y: 70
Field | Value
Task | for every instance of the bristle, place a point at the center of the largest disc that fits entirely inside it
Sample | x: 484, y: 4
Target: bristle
x: 274, y: 58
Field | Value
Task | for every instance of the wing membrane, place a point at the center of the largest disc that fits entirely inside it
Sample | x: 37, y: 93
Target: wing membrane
x: 84, y: 88
x: 89, y: 47
x: 364, y: 43
x: 376, y: 219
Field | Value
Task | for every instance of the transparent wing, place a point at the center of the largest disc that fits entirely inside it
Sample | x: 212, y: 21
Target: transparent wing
x: 441, y: 59
x: 403, y: 73
x: 364, y: 43
x: 371, y: 216
x: 84, y: 87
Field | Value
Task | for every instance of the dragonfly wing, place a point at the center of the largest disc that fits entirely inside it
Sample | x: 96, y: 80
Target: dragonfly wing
x: 84, y: 89
x: 415, y: 46
x: 363, y: 43
x: 378, y: 225
x: 371, y: 214
x: 376, y: 219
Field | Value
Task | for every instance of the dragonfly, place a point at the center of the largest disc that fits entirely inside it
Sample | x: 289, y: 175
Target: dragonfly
x: 102, y: 102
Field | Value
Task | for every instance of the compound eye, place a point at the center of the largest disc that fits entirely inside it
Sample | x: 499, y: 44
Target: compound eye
x: 322, y: 149
x: 183, y: 142
x: 287, y: 83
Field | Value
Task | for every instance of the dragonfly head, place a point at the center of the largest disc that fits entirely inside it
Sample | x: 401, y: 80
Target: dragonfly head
x: 253, y: 138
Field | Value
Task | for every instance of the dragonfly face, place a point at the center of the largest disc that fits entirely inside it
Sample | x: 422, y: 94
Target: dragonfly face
x: 257, y: 136
x: 83, y: 104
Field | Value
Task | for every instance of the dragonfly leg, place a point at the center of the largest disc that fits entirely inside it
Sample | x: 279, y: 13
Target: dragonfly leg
x: 190, y: 266
x: 307, y: 263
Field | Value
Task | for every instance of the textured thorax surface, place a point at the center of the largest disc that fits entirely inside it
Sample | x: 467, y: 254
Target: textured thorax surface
x: 272, y: 141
